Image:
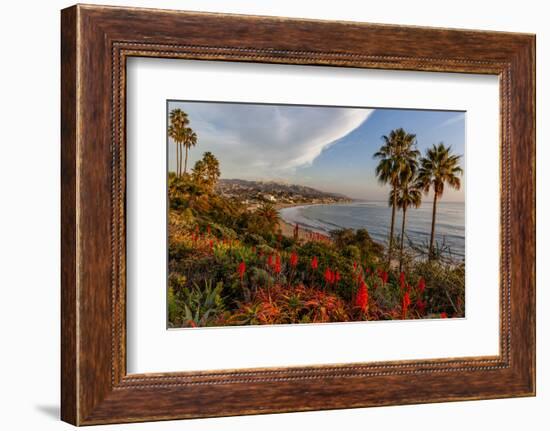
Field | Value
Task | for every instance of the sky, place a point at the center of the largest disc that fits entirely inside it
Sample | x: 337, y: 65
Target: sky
x: 328, y: 148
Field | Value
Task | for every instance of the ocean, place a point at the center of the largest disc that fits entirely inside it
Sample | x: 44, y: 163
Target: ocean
x: 375, y: 216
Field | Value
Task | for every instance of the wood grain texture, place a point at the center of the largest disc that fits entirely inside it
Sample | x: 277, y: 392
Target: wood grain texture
x: 96, y: 41
x: 69, y: 397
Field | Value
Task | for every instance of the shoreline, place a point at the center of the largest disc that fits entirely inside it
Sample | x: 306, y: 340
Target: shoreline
x: 287, y: 228
x: 306, y: 232
x: 280, y: 206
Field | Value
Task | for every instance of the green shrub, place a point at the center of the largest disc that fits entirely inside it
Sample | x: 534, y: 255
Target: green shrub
x: 202, y: 306
x: 445, y: 287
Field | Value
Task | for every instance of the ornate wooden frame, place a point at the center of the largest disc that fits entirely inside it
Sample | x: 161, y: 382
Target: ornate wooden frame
x: 96, y: 41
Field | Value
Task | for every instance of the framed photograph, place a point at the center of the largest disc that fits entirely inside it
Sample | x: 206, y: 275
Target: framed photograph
x: 266, y: 215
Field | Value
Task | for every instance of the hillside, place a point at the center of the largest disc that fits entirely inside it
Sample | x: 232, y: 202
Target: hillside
x: 251, y: 192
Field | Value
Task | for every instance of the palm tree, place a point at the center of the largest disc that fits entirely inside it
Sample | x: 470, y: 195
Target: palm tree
x: 212, y: 169
x: 397, y: 154
x: 409, y: 194
x: 177, y: 131
x: 206, y: 171
x: 199, y: 173
x: 269, y: 214
x: 190, y: 141
x: 439, y: 167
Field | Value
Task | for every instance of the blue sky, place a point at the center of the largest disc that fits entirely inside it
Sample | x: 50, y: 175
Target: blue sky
x: 329, y: 148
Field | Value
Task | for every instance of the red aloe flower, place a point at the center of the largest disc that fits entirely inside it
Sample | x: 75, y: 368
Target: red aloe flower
x: 421, y: 306
x: 328, y: 276
x: 211, y: 244
x: 293, y: 259
x: 421, y: 285
x: 354, y: 266
x: 270, y: 260
x: 314, y: 263
x: 443, y: 315
x: 383, y: 275
x: 241, y: 268
x: 402, y: 280
x: 367, y: 270
x: 277, y: 266
x: 362, y: 298
x: 405, y: 305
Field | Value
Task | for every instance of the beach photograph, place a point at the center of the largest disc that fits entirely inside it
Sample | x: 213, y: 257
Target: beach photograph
x: 297, y: 214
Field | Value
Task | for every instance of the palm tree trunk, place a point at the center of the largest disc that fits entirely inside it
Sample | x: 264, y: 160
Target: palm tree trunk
x: 394, y: 205
x: 402, y: 238
x: 181, y: 152
x: 185, y: 169
x: 181, y: 155
x: 432, y: 236
x: 177, y: 159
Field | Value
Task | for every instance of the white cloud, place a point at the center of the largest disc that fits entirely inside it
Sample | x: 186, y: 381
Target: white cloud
x: 452, y: 120
x: 267, y: 141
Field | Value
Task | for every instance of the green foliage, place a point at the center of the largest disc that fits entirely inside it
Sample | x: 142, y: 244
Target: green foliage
x: 197, y: 306
x: 263, y: 222
x: 445, y: 287
x: 260, y: 277
x: 206, y: 171
x: 361, y: 240
x: 352, y: 252
x: 254, y: 239
x: 229, y: 264
x: 174, y: 308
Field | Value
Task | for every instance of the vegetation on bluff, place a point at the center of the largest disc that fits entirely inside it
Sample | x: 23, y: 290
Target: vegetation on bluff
x: 230, y: 264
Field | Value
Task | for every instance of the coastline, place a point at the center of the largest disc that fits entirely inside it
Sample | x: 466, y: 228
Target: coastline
x: 452, y: 243
x: 287, y: 229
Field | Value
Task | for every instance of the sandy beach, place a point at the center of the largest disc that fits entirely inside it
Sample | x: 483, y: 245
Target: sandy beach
x: 288, y: 229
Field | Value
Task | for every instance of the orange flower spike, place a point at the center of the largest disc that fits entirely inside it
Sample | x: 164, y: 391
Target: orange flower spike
x: 328, y: 275
x: 293, y: 259
x: 277, y: 266
x: 241, y: 269
x: 362, y: 298
x: 405, y: 305
x: 314, y: 263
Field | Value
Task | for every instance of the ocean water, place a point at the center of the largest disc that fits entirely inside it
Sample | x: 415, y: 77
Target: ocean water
x: 375, y: 216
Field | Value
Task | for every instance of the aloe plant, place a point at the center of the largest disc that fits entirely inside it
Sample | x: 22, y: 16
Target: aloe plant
x: 202, y: 306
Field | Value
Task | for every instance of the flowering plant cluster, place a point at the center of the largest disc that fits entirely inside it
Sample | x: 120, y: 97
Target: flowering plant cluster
x: 223, y: 274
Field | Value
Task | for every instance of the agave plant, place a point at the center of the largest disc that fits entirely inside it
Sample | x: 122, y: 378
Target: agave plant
x: 202, y: 306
